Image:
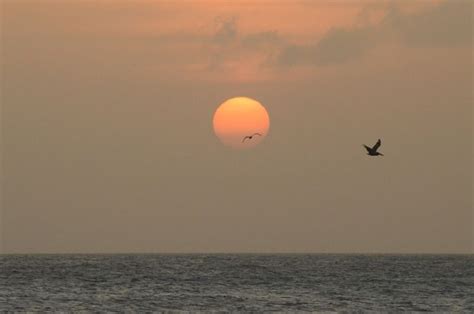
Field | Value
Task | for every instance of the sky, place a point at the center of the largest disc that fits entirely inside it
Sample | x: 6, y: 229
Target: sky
x: 108, y: 146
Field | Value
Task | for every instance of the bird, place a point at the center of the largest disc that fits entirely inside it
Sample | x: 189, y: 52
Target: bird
x: 372, y: 151
x: 250, y: 136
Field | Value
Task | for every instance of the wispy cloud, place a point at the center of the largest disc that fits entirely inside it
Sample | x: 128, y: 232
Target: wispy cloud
x: 337, y: 46
x: 447, y: 24
x: 226, y: 30
x: 229, y: 46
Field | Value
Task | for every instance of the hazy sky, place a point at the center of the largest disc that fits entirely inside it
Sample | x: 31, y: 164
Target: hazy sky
x: 107, y: 140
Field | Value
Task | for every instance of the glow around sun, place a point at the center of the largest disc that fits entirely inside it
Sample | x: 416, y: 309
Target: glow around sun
x: 239, y: 117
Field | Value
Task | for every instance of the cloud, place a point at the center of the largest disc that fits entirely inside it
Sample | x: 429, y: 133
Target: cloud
x: 262, y: 39
x: 447, y: 24
x: 229, y: 46
x: 226, y: 30
x: 337, y: 46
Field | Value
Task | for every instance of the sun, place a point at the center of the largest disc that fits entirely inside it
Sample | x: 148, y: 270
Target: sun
x: 239, y: 117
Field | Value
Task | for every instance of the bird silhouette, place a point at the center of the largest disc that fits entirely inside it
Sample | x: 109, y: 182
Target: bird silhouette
x: 372, y: 151
x: 250, y: 136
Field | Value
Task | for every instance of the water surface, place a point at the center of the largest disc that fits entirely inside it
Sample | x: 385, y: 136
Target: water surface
x: 237, y: 282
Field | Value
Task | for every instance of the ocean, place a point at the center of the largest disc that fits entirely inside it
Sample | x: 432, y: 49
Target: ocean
x: 237, y: 282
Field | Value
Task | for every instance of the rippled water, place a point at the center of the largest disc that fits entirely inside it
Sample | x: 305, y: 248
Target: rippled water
x: 237, y: 282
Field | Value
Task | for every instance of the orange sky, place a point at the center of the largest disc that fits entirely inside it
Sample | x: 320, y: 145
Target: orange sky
x: 108, y: 142
x: 210, y: 40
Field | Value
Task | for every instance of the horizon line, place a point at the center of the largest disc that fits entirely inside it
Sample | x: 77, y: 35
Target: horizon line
x: 237, y: 253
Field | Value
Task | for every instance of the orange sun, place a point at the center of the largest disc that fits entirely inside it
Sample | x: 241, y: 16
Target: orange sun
x: 239, y: 117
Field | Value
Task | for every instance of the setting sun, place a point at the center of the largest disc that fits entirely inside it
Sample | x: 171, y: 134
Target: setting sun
x: 241, y: 122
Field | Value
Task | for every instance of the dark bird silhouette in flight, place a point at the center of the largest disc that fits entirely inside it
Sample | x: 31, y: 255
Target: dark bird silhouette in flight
x: 372, y: 151
x: 250, y: 136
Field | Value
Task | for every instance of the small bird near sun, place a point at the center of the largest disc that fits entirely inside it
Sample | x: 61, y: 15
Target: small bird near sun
x: 241, y: 122
x: 250, y: 136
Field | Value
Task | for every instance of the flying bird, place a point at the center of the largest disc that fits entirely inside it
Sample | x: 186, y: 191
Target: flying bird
x: 372, y: 151
x: 250, y: 136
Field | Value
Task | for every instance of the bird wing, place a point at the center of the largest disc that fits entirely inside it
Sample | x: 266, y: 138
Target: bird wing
x: 377, y: 145
x: 257, y: 134
x: 246, y: 137
x: 368, y: 148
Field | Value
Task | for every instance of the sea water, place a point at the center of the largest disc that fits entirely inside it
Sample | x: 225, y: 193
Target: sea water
x: 237, y: 282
